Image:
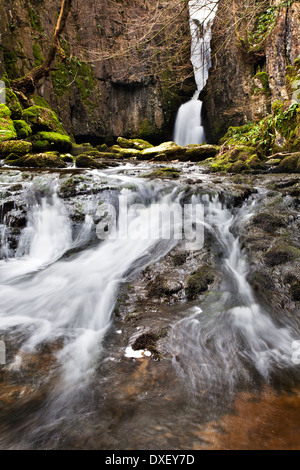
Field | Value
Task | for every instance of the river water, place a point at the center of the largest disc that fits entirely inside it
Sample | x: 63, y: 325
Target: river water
x: 69, y: 381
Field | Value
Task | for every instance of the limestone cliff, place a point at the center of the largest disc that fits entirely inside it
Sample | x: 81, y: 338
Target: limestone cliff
x: 254, y: 49
x: 97, y: 94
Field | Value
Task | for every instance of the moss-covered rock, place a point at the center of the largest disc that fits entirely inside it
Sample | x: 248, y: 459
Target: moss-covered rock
x: 17, y: 147
x: 79, y: 149
x: 84, y: 161
x: 102, y: 147
x: 198, y: 153
x: 69, y: 187
x: 13, y: 104
x: 7, y: 129
x: 124, y: 152
x: 290, y: 164
x: 165, y: 172
x: 41, y: 160
x: 237, y: 160
x: 137, y: 144
x: 44, y: 141
x: 168, y: 148
x: 199, y: 281
x: 23, y: 129
x: 43, y: 119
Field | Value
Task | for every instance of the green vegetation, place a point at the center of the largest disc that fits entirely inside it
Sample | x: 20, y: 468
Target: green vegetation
x: 23, y: 129
x: 17, y: 147
x: 43, y: 119
x: 7, y: 129
x: 51, y: 141
x: 166, y: 172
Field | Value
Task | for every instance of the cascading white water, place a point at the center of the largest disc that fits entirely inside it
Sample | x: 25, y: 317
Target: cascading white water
x: 188, y: 126
x: 231, y: 339
x: 45, y: 296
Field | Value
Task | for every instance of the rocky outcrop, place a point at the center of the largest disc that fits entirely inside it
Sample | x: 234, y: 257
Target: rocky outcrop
x: 254, y: 52
x: 97, y: 94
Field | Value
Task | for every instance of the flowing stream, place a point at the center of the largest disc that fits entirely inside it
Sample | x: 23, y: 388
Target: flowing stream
x: 59, y: 290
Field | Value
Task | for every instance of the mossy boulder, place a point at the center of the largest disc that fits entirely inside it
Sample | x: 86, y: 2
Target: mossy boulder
x: 124, y: 152
x: 290, y: 164
x: 165, y: 172
x: 13, y: 104
x: 23, y: 129
x: 84, y: 161
x: 43, y: 119
x: 238, y: 159
x: 198, y: 153
x: 168, y: 148
x: 102, y: 147
x: 79, y: 149
x: 199, y: 281
x: 137, y: 144
x: 7, y: 129
x: 41, y: 160
x: 44, y: 141
x: 17, y: 147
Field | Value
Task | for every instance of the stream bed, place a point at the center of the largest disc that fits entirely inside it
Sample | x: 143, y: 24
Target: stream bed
x: 145, y: 340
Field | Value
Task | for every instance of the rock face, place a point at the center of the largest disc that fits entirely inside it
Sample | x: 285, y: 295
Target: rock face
x: 97, y: 94
x: 255, y: 66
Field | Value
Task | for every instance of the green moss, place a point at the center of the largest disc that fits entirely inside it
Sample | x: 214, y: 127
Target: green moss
x: 23, y: 129
x: 146, y: 129
x: 137, y: 144
x: 37, y: 55
x: 84, y: 161
x: 5, y: 112
x: 43, y: 119
x: 51, y: 141
x: 13, y: 103
x: 199, y: 281
x: 35, y: 19
x: 166, y: 172
x: 290, y: 164
x: 10, y: 62
x: 261, y: 85
x: 18, y: 147
x: 42, y: 160
x: 7, y: 129
x: 39, y: 101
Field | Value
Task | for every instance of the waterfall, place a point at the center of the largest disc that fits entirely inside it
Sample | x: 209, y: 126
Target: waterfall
x: 188, y: 126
